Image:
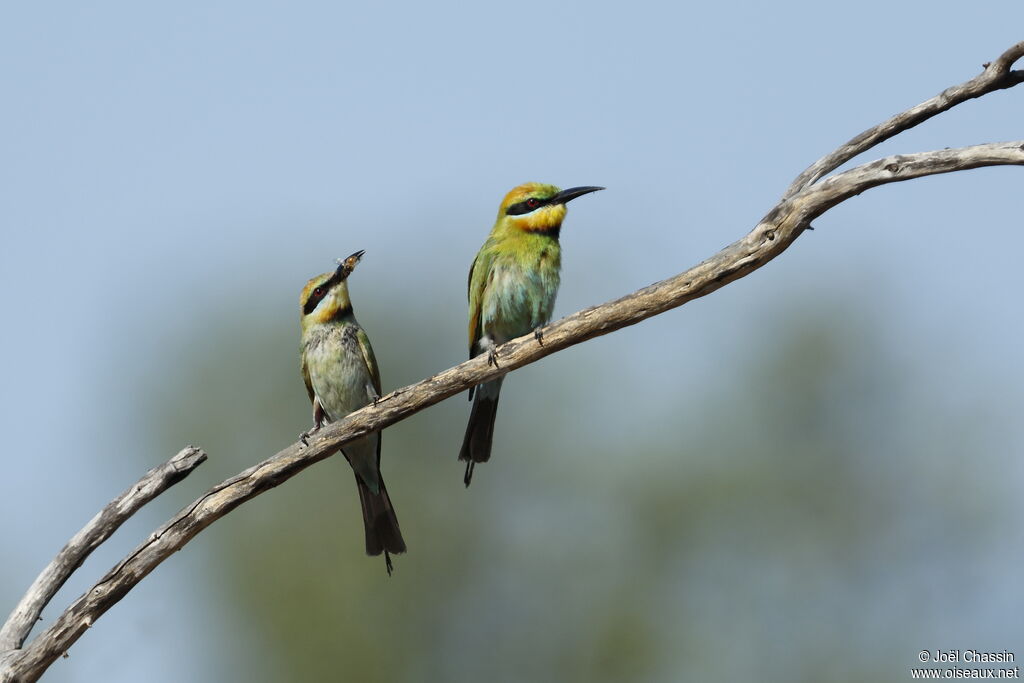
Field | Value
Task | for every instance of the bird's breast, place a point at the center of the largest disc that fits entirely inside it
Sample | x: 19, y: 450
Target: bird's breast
x: 519, y: 296
x: 338, y: 371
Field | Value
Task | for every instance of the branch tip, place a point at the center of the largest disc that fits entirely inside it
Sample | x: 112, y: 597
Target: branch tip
x: 805, y: 200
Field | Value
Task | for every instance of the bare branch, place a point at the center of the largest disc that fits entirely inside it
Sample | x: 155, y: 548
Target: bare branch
x: 807, y: 199
x: 766, y: 241
x: 842, y: 186
x: 995, y: 76
x: 19, y: 624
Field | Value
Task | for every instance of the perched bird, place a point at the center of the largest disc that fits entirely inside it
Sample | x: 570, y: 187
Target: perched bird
x: 341, y: 376
x: 512, y: 288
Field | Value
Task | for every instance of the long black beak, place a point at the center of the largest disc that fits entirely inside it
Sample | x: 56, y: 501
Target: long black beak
x: 347, y: 265
x: 566, y: 196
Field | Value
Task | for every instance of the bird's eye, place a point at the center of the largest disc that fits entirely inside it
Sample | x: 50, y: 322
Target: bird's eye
x: 533, y: 202
x: 318, y: 292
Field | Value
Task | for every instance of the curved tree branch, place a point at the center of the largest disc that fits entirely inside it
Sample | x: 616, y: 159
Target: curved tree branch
x: 99, y: 529
x: 808, y: 198
x: 766, y: 241
x: 995, y: 76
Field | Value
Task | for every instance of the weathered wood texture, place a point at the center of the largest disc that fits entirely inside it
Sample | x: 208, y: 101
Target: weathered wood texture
x: 19, y: 624
x: 808, y: 197
x: 996, y: 75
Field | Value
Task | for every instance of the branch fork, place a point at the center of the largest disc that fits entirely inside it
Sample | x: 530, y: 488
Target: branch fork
x: 809, y: 195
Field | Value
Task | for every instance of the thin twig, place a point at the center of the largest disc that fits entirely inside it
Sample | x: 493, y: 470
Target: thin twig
x: 24, y: 616
x: 996, y: 75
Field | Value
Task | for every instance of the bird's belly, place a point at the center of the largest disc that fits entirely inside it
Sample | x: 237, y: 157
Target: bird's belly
x: 518, y: 301
x: 340, y: 380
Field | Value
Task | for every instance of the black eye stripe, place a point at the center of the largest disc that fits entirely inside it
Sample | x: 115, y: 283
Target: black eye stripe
x: 318, y: 293
x: 311, y: 302
x: 524, y: 206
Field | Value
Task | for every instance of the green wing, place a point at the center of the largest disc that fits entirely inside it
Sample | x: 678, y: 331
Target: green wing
x: 305, y: 378
x: 479, y: 273
x: 369, y: 359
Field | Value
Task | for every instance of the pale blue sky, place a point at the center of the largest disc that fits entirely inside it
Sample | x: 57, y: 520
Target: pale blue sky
x: 157, y: 160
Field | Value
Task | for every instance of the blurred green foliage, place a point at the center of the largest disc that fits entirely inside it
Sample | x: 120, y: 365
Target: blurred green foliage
x: 772, y: 525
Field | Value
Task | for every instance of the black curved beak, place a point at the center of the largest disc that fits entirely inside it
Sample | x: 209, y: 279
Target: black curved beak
x: 347, y: 265
x: 566, y: 196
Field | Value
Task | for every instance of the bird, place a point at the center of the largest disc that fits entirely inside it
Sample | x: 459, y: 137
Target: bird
x: 512, y: 287
x: 341, y: 376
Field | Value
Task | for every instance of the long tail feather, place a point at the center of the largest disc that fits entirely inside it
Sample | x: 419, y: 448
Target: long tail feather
x: 382, y: 532
x: 476, y: 445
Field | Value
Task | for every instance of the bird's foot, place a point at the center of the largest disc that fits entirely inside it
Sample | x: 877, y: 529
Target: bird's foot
x: 492, y: 357
x: 538, y: 334
x: 304, y: 436
x: 468, y: 477
x: 387, y: 562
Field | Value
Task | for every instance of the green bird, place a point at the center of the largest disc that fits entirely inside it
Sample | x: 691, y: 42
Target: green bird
x: 341, y: 376
x: 512, y: 287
